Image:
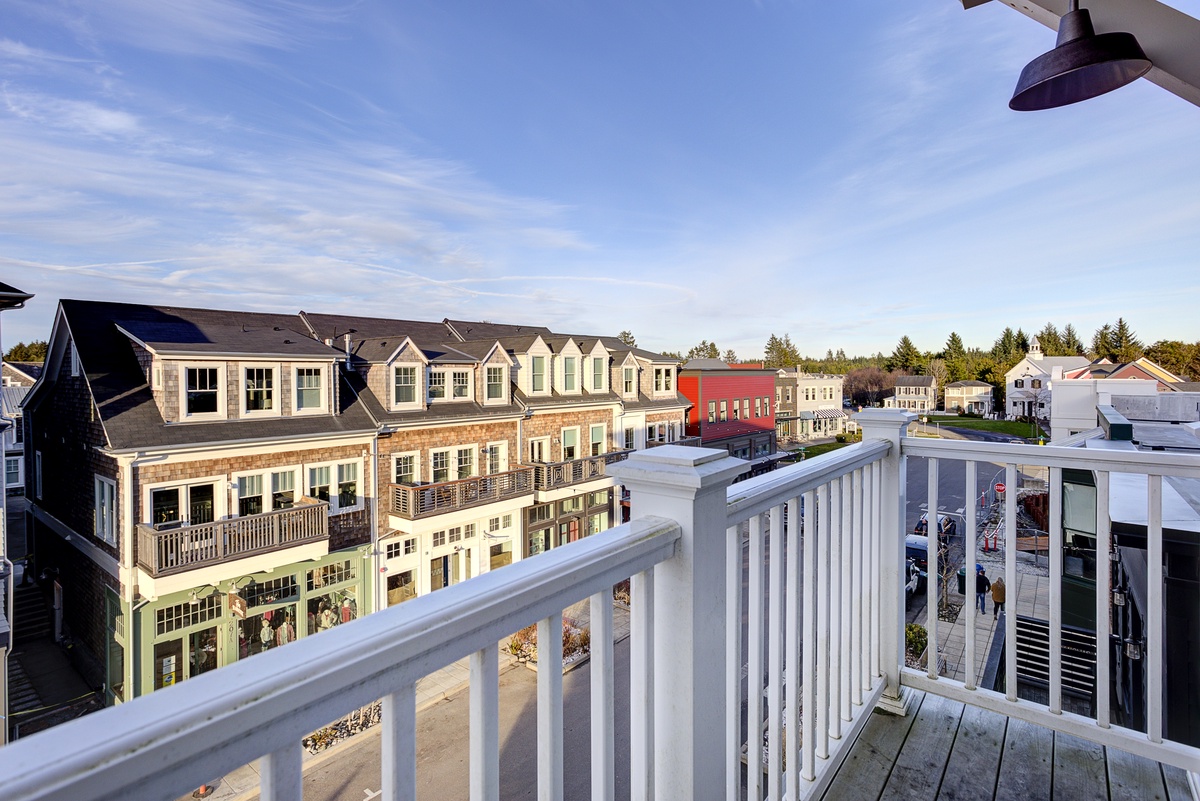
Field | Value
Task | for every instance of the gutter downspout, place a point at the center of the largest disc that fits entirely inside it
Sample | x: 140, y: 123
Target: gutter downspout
x: 373, y: 505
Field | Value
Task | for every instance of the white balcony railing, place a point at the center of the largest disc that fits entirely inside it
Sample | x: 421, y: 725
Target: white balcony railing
x: 822, y: 598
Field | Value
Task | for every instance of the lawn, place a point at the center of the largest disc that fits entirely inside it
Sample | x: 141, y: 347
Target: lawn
x: 1013, y: 428
x: 825, y: 447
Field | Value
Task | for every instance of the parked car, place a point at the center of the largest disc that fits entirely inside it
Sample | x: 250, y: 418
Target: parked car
x: 916, y: 549
x: 915, y: 583
x: 947, y: 524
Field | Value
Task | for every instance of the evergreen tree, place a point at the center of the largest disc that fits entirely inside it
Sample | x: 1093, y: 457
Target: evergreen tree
x: 905, y: 357
x: 627, y: 338
x: 730, y: 357
x: 1071, y: 344
x: 1051, y: 341
x: 705, y: 350
x: 1022, y: 341
x: 33, y: 352
x: 1180, y: 358
x: 1102, y: 343
x: 1126, y: 346
x: 954, y: 347
x: 780, y: 352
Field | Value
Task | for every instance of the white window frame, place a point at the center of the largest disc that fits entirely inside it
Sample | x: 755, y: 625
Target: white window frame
x: 500, y: 447
x: 534, y: 374
x: 542, y: 445
x: 562, y: 444
x: 487, y: 384
x: 105, y: 514
x: 451, y: 467
x: 220, y: 496
x: 324, y: 406
x: 663, y: 380
x: 418, y: 395
x: 573, y: 373
x: 20, y: 482
x: 599, y: 369
x: 222, y: 397
x: 629, y: 385
x: 471, y: 452
x: 334, y: 478
x: 276, y: 390
x: 416, y: 460
x: 469, y: 391
x: 602, y: 441
x: 299, y: 486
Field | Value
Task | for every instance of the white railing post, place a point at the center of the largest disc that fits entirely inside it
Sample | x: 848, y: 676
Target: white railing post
x: 890, y: 425
x: 687, y: 485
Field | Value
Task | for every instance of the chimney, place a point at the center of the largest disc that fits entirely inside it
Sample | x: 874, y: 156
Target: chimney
x: 347, y: 339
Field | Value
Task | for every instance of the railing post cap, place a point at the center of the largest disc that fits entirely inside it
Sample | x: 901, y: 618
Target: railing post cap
x: 678, y: 467
x: 885, y: 418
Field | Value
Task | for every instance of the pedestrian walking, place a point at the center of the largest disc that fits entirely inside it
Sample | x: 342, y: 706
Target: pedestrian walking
x: 982, y: 585
x: 997, y: 596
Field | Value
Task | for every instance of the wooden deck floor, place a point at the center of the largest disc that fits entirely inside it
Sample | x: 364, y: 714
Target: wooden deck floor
x: 947, y: 751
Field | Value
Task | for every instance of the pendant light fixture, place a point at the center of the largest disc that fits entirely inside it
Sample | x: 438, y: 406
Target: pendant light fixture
x: 1082, y: 65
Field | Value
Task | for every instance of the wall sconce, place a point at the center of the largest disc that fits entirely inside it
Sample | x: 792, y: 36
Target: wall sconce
x: 1133, y: 650
x: 1118, y: 598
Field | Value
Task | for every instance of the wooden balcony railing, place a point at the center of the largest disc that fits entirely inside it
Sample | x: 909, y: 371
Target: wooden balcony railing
x: 564, y: 474
x: 414, y: 501
x: 172, y: 550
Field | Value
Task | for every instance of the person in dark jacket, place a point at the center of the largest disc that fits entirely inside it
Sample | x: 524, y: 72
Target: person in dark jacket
x: 982, y: 585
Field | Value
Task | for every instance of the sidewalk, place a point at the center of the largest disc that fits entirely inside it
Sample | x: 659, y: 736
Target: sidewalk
x: 243, y: 783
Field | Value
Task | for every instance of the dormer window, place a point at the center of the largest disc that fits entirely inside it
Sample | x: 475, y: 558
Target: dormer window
x: 461, y: 384
x: 495, y: 383
x: 537, y: 374
x: 598, y: 374
x: 201, y: 392
x: 310, y: 389
x: 662, y: 379
x: 569, y: 374
x: 405, y: 385
x: 437, y: 386
x: 629, y: 376
x: 259, y: 391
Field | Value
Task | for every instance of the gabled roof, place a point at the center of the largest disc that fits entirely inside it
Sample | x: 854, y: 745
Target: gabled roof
x: 705, y: 364
x: 11, y: 297
x: 466, y: 329
x: 914, y: 381
x: 335, y: 326
x: 968, y: 383
x: 10, y: 400
x: 32, y: 371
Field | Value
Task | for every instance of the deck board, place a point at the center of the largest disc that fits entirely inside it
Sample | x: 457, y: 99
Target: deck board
x: 865, y: 772
x: 945, y: 750
x: 1134, y: 778
x: 1079, y: 769
x: 1026, y: 766
x: 922, y: 760
x: 975, y: 761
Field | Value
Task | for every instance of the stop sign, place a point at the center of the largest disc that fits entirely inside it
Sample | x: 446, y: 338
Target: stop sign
x: 999, y: 488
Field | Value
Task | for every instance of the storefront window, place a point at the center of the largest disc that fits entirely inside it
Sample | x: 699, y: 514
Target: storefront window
x: 202, y: 647
x: 271, y: 629
x: 333, y: 609
x: 168, y: 663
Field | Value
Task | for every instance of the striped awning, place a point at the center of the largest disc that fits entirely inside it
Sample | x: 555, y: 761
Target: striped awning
x: 829, y: 414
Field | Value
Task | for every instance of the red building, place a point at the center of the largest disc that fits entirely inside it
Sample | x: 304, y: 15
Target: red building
x: 732, y: 409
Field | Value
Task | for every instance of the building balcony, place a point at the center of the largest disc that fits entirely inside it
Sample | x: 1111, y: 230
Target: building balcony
x: 556, y: 475
x: 775, y: 606
x: 167, y: 550
x: 415, y: 501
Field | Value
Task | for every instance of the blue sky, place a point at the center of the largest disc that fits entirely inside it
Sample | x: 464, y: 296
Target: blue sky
x: 719, y: 169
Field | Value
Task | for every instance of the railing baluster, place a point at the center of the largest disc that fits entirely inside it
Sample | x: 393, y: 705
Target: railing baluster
x: 1103, y: 597
x: 969, y: 560
x: 734, y: 562
x: 791, y: 703
x: 834, y: 512
x: 858, y: 592
x: 604, y: 763
x: 845, y: 535
x: 550, y: 708
x: 876, y: 559
x: 774, y: 787
x: 641, y: 686
x: 281, y: 776
x: 808, y: 685
x: 820, y: 733
x: 1056, y: 572
x: 1010, y: 581
x: 1154, y: 618
x: 485, y: 728
x: 754, y: 660
x: 398, y: 748
x: 933, y: 551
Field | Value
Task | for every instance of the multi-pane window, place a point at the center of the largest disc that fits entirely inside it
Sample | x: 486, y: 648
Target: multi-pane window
x: 106, y: 510
x: 537, y: 374
x: 250, y: 495
x: 405, y: 385
x: 308, y: 388
x: 393, y: 550
x: 758, y: 407
x: 628, y: 379
x: 736, y: 410
x: 437, y: 385
x: 12, y: 472
x: 712, y: 411
x: 440, y: 462
x: 494, y: 524
x: 202, y: 390
x: 462, y: 384
x: 283, y: 489
x: 466, y: 462
x: 629, y: 439
x: 410, y: 546
x: 662, y: 379
x: 347, y: 485
x: 724, y: 411
x: 745, y: 408
x: 319, y: 482
x: 1020, y: 382
x: 507, y: 521
x: 568, y: 374
x: 406, y: 469
x: 570, y: 444
x: 439, y: 538
x: 454, y: 534
x: 598, y: 374
x: 597, y: 438
x: 495, y: 383
x: 260, y: 389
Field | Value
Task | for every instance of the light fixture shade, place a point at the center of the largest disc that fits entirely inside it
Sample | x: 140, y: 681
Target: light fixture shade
x: 1081, y: 66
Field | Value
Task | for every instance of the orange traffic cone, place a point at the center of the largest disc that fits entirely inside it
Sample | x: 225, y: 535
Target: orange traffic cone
x: 204, y: 792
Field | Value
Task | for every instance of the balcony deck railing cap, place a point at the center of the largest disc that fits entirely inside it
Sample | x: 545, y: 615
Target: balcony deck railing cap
x: 678, y: 467
x: 883, y: 418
